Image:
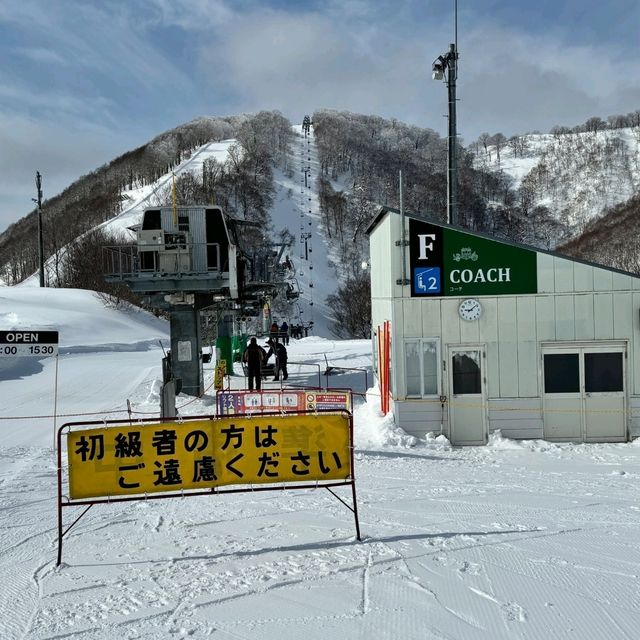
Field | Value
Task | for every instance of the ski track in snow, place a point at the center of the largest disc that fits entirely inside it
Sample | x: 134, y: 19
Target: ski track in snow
x: 478, y: 560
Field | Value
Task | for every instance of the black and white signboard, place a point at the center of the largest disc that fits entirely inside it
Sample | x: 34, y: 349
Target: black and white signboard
x: 27, y: 343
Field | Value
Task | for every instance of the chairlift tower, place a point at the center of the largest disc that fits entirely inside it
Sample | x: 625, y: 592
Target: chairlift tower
x: 188, y: 261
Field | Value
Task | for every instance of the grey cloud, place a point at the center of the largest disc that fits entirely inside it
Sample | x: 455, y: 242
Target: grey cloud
x: 508, y: 80
x: 192, y: 15
x: 61, y: 154
x: 38, y: 54
x: 297, y: 63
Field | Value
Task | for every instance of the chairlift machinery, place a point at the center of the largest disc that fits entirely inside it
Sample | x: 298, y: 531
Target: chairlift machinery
x: 190, y: 261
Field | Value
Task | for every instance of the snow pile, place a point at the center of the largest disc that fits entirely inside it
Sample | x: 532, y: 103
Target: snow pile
x: 498, y: 441
x: 437, y: 441
x: 372, y: 429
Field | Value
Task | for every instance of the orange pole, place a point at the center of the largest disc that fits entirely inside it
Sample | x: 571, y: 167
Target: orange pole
x: 381, y: 367
x: 387, y: 356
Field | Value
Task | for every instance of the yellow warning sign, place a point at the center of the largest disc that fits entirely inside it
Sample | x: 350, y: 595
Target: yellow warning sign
x: 220, y: 373
x: 203, y: 454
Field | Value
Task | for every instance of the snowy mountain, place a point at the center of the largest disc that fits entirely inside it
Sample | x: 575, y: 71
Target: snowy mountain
x: 295, y: 211
x: 576, y: 176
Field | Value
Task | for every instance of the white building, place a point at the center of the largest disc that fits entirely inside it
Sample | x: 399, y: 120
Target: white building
x: 487, y: 335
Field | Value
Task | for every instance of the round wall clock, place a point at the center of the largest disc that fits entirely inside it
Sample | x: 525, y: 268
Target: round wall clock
x: 470, y: 309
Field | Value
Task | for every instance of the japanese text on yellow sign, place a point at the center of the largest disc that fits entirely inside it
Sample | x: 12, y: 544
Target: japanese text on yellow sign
x: 202, y: 454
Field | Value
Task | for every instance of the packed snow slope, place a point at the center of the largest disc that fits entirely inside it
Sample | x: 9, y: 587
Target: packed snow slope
x: 514, y: 541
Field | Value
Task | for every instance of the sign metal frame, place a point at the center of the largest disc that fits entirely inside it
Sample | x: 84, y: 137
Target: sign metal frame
x: 64, y: 501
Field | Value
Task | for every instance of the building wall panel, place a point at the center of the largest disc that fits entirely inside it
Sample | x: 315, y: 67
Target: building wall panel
x: 585, y: 326
x: 565, y: 318
x: 450, y: 321
x: 488, y: 326
x: 622, y: 315
x: 545, y: 318
x: 380, y: 262
x: 602, y: 280
x: 469, y: 331
x: 507, y: 347
x: 621, y: 281
x: 603, y: 316
x: 563, y: 275
x: 516, y: 417
x: 527, y: 346
x: 582, y: 277
x: 634, y: 422
x: 634, y: 355
x: 412, y: 317
x: 431, y: 319
x: 418, y: 417
x: 546, y: 282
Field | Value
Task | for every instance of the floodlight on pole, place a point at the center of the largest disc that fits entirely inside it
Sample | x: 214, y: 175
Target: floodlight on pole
x: 447, y: 64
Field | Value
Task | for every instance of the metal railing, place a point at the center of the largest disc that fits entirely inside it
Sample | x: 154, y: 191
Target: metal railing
x: 134, y: 261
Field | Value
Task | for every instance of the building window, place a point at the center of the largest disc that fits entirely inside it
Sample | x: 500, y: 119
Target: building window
x: 603, y: 372
x: 421, y: 367
x: 561, y: 373
x: 466, y: 374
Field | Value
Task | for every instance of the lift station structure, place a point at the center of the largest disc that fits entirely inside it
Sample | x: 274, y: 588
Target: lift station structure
x: 188, y: 261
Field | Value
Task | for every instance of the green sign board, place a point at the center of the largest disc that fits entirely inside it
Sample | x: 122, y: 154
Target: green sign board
x: 446, y: 262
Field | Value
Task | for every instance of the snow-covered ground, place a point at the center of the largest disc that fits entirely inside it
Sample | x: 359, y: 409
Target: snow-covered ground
x: 514, y: 540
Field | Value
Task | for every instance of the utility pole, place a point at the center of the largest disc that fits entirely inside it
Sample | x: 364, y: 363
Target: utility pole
x: 38, y: 201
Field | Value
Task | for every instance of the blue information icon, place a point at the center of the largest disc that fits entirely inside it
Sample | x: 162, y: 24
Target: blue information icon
x: 426, y: 280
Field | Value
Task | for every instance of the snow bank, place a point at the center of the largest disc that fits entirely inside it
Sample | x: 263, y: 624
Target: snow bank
x: 372, y: 429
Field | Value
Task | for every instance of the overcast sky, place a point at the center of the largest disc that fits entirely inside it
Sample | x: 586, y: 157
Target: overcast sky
x: 82, y: 81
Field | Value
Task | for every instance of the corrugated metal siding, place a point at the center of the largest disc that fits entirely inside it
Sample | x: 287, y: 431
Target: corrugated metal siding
x: 519, y: 418
x: 197, y: 233
x: 420, y: 417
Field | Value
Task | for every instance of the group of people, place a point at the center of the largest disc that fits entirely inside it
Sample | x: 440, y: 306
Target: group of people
x: 300, y: 330
x: 256, y: 357
x: 281, y: 332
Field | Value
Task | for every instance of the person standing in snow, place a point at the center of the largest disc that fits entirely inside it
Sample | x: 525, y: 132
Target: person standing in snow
x: 254, y: 357
x: 280, y: 352
x: 284, y: 332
